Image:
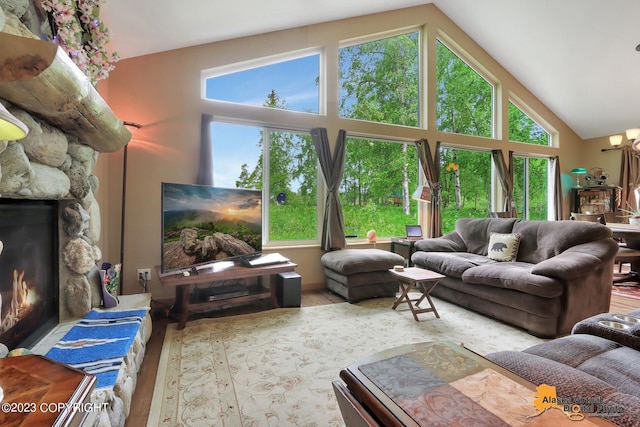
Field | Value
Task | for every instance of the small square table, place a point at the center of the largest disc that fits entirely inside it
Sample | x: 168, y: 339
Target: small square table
x: 424, y: 280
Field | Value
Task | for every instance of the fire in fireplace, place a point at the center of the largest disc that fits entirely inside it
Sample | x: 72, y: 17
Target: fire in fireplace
x: 28, y: 270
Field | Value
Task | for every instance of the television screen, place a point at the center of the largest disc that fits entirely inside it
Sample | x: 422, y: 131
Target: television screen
x: 203, y: 224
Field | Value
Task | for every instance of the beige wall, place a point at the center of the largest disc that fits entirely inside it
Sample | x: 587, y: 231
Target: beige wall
x: 162, y: 92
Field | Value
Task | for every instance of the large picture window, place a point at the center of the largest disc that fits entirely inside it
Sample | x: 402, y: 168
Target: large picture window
x: 465, y: 176
x: 239, y: 153
x: 530, y: 187
x: 379, y: 178
x: 377, y: 91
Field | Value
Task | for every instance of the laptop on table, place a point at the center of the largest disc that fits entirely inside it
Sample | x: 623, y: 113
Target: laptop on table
x: 414, y: 232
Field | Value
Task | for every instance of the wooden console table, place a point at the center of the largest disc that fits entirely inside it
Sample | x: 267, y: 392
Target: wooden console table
x: 39, y: 391
x: 182, y: 285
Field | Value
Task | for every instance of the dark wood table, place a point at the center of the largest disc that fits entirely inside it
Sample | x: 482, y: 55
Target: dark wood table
x: 182, y: 284
x: 441, y: 383
x: 39, y: 391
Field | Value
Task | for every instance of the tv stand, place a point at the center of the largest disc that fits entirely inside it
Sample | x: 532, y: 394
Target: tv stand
x: 182, y: 284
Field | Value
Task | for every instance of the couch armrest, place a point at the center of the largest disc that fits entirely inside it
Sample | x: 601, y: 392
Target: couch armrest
x: 577, y: 260
x: 448, y: 243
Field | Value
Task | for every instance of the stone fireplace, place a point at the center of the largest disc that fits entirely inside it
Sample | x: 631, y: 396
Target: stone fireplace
x: 69, y: 126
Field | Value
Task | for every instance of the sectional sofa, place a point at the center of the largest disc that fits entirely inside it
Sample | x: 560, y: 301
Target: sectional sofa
x: 595, y: 368
x: 556, y: 274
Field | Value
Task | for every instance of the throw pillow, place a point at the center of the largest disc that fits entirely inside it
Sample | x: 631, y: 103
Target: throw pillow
x: 503, y: 246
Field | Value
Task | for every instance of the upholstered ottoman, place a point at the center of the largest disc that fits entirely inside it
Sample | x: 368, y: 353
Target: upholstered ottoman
x: 358, y: 274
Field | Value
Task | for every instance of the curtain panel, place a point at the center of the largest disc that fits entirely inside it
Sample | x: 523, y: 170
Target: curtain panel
x: 431, y: 169
x: 205, y: 169
x: 505, y: 176
x: 333, y: 237
x: 558, y: 209
x: 629, y: 178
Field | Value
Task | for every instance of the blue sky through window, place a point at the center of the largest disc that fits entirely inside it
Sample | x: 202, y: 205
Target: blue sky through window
x: 233, y: 146
x: 294, y: 82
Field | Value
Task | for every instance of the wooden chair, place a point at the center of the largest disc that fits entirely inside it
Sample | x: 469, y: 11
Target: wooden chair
x: 500, y: 215
x: 625, y: 255
x: 596, y: 217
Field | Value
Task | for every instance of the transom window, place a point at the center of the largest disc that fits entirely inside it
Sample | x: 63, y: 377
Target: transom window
x: 523, y: 128
x: 465, y: 98
x: 379, y: 80
x: 294, y: 80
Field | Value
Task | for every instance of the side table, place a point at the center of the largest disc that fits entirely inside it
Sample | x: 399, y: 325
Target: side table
x: 403, y: 246
x: 39, y: 391
x: 422, y: 279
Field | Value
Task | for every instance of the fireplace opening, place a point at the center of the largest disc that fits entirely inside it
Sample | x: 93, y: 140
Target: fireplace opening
x: 28, y: 270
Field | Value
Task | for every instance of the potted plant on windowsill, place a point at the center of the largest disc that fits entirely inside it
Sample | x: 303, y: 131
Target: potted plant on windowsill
x: 632, y: 214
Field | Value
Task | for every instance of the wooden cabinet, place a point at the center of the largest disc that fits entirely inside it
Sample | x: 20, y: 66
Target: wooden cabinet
x: 597, y: 199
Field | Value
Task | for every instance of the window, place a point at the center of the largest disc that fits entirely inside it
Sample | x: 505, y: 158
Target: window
x: 238, y: 158
x: 465, y: 98
x: 288, y: 85
x: 379, y: 80
x: 378, y: 181
x: 522, y: 128
x: 465, y: 176
x: 530, y: 187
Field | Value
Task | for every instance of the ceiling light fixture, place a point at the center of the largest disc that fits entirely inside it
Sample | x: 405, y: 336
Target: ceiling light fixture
x: 633, y: 136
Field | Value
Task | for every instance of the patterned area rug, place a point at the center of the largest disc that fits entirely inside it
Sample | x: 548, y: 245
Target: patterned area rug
x: 627, y: 289
x: 276, y: 367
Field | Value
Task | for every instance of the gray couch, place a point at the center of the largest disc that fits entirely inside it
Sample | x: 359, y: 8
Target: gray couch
x: 596, y: 362
x: 562, y: 274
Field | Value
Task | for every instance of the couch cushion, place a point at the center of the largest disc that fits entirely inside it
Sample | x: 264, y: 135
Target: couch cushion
x: 451, y: 264
x: 351, y: 261
x: 545, y: 239
x: 475, y: 232
x: 516, y: 276
x: 503, y: 246
x: 570, y: 383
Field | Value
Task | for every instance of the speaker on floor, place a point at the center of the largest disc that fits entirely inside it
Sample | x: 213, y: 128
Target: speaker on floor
x: 288, y: 289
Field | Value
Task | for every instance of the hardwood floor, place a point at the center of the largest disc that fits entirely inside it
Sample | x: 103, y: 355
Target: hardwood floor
x: 141, y: 402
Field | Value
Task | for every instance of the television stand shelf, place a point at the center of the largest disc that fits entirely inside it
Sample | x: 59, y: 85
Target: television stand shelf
x: 182, y: 284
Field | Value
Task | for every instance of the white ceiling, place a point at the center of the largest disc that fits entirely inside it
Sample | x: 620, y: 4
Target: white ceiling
x: 577, y: 56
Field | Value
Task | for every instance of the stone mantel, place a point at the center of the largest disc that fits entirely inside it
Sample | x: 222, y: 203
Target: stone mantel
x: 40, y: 78
x: 69, y: 124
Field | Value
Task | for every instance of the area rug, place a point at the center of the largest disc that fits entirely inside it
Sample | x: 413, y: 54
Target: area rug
x: 98, y: 343
x: 627, y: 289
x: 275, y: 368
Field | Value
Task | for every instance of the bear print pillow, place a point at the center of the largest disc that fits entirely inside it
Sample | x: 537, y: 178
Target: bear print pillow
x: 503, y: 246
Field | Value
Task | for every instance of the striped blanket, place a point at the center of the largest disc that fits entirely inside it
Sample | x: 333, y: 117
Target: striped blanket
x: 98, y: 343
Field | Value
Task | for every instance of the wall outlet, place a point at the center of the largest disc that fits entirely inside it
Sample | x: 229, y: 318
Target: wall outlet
x: 144, y: 274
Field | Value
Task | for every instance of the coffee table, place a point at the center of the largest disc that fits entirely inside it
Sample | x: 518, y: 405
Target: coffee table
x: 422, y: 279
x: 442, y: 383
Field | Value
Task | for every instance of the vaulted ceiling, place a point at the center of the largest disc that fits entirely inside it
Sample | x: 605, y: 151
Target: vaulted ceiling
x: 577, y: 56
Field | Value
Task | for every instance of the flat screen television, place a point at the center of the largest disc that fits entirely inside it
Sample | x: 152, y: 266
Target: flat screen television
x: 203, y: 224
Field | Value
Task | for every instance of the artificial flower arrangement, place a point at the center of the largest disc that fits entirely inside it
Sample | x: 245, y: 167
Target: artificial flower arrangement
x: 77, y: 28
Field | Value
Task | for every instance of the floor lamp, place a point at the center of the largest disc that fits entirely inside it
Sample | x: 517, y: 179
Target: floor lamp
x: 124, y: 198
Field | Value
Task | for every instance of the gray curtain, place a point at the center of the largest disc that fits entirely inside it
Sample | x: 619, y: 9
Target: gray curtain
x: 205, y: 171
x: 332, y: 170
x: 557, y: 188
x: 505, y: 175
x: 629, y: 178
x: 431, y: 169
